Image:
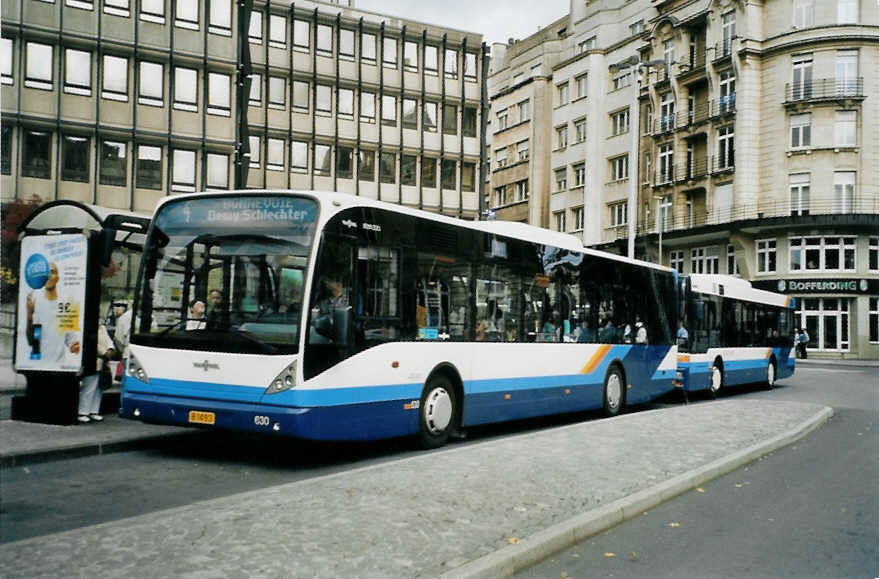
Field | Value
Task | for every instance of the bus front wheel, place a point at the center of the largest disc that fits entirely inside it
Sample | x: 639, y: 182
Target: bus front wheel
x: 716, y: 377
x: 438, y: 412
x: 614, y: 391
x: 770, y: 375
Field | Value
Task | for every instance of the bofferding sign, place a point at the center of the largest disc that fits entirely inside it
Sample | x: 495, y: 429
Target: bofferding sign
x: 820, y: 286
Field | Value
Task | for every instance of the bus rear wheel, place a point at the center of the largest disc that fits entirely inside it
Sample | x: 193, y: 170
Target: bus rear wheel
x: 614, y: 391
x: 438, y: 414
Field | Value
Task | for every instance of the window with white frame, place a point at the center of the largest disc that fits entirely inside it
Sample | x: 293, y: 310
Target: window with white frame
x: 431, y: 56
x: 765, y: 255
x: 580, y: 130
x: 667, y: 112
x: 39, y: 66
x: 152, y: 11
x: 6, y: 61
x: 524, y: 111
x: 346, y: 43
x: 254, y: 99
x: 577, y: 214
x: 845, y: 129
x: 874, y: 320
x: 522, y: 151
x: 183, y: 170
x: 115, y: 85
x: 619, y: 214
x: 560, y: 221
x: 726, y: 147
x: 668, y: 53
x: 152, y: 83
x: 218, y: 171
x: 847, y: 11
x: 77, y: 72
x: 579, y: 174
x: 117, y: 8
x: 301, y: 34
x: 278, y: 31
x: 301, y: 95
x: 321, y: 164
x: 804, y: 13
x: 843, y: 191
x: 562, y: 96
x: 727, y: 90
x: 219, y: 94
x: 220, y: 17
x: 275, y: 155
x: 814, y: 254
x: 522, y: 190
x: 619, y: 168
x: 637, y: 27
x: 665, y: 212
x: 389, y: 110
x: 676, y: 260
x: 324, y: 42
x: 732, y: 266
x: 254, y: 32
x: 470, y: 66
x: 255, y: 148
x: 705, y: 260
x: 187, y: 15
x: 299, y: 156
x: 582, y: 85
x: 410, y: 55
x: 561, y: 134
x: 502, y: 120
x: 584, y: 45
x: 801, y: 87
x: 500, y: 156
x: 500, y: 195
x: 367, y: 109
x: 800, y: 189
x: 323, y: 101
x: 389, y: 52
x: 801, y: 130
x: 873, y: 254
x: 346, y: 103
x: 620, y: 122
x: 561, y: 179
x: 186, y: 89
x: 622, y: 78
x: 846, y: 72
x: 666, y: 159
x: 451, y: 63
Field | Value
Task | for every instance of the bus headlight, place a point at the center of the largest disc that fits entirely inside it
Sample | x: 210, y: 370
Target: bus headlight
x: 283, y: 381
x: 136, y: 370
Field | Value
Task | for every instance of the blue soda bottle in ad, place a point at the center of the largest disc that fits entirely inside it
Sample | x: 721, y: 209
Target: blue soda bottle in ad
x: 35, y: 348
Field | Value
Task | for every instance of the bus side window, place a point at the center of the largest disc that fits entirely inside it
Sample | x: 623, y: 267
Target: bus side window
x: 377, y: 301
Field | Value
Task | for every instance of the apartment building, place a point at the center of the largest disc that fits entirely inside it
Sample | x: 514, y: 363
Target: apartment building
x: 121, y: 102
x: 759, y: 155
x: 754, y: 153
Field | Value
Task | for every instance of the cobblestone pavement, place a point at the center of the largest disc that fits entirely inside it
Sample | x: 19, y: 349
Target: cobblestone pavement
x: 416, y: 517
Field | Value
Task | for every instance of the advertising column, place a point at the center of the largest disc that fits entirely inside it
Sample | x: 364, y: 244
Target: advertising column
x: 51, y: 303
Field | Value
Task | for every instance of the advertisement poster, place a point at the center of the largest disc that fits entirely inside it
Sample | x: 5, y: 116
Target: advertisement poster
x: 51, y: 301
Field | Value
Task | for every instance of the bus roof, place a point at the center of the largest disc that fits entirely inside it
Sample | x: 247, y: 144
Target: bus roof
x: 735, y: 287
x: 337, y: 201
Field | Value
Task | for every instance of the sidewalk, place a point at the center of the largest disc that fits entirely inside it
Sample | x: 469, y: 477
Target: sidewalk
x: 480, y: 510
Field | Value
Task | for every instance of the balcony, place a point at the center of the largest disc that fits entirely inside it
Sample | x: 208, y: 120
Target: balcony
x: 824, y: 90
x: 696, y: 169
x: 722, y: 106
x: 694, y: 68
x: 694, y: 116
x: 723, y: 164
x: 664, y: 124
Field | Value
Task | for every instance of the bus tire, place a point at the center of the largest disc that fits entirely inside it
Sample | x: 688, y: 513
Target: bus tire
x: 771, y: 374
x: 438, y: 414
x: 614, y: 397
x: 716, y: 382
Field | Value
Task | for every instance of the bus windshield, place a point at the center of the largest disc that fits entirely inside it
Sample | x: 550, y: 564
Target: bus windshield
x: 226, y: 274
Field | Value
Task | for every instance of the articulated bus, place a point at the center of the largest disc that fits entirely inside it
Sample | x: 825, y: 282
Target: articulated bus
x: 737, y: 334
x: 333, y: 317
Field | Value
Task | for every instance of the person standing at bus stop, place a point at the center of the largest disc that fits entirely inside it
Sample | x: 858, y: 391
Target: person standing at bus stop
x: 89, y: 387
x: 803, y: 342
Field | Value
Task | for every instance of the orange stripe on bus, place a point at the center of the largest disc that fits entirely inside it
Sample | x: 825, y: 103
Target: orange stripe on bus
x: 596, y: 359
x: 768, y: 353
x: 683, y: 357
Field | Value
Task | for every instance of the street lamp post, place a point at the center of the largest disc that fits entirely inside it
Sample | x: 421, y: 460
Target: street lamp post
x: 633, y: 64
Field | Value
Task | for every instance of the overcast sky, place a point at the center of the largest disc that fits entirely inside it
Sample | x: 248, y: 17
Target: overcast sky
x: 496, y: 20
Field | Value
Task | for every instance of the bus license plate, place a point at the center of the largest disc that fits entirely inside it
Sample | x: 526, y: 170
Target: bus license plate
x: 197, y: 417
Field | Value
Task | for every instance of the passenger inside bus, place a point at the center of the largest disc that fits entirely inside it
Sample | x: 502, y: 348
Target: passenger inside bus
x: 332, y: 298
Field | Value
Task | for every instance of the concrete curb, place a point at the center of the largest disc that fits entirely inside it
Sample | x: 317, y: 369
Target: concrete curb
x: 79, y: 450
x: 515, y: 558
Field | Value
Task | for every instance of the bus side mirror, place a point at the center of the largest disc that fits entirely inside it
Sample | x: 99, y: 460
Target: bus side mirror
x: 343, y: 323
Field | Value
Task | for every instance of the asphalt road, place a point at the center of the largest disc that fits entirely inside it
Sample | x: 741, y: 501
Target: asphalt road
x: 808, y: 510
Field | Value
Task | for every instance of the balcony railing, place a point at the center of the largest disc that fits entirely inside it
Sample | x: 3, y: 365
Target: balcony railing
x: 695, y: 169
x: 824, y: 89
x: 763, y: 210
x: 723, y: 49
x: 695, y: 63
x: 725, y: 105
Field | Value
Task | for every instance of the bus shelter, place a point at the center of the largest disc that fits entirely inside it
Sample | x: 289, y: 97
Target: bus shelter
x: 77, y: 270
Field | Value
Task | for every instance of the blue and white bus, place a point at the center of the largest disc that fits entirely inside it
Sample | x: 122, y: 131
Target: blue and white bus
x: 334, y: 317
x: 737, y: 334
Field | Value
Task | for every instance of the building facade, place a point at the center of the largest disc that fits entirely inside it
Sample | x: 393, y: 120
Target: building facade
x: 121, y: 102
x: 755, y: 151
